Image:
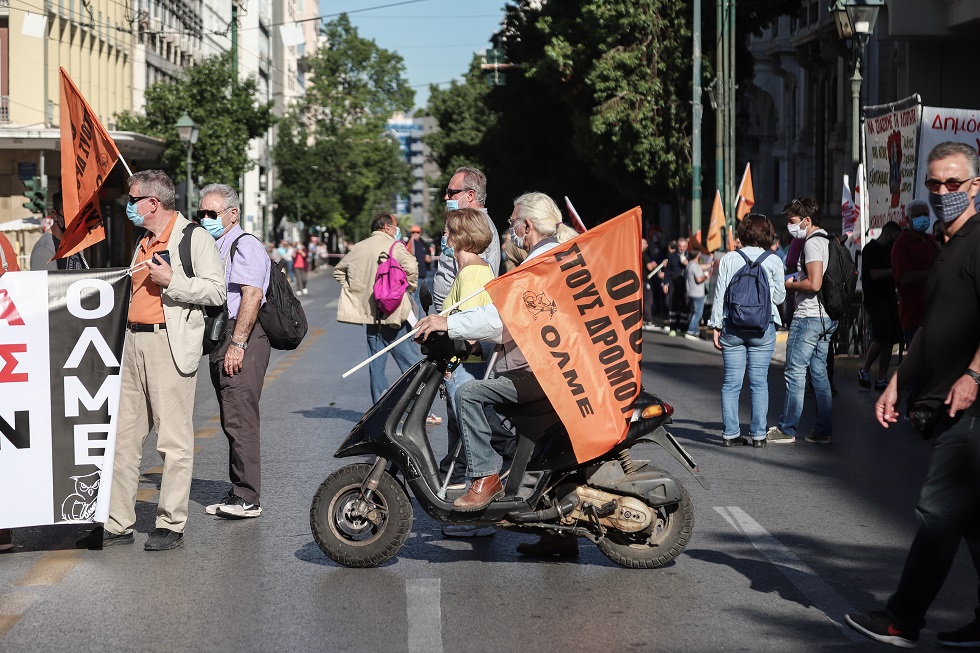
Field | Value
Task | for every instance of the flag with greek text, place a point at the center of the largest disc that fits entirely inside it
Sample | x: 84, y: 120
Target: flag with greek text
x: 746, y: 195
x: 88, y: 155
x: 576, y: 313
x: 61, y: 349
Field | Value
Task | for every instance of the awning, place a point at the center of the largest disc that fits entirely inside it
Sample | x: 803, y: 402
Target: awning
x: 134, y: 147
x: 24, y: 224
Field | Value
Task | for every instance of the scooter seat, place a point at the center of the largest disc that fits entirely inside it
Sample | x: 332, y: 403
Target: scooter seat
x: 538, y: 408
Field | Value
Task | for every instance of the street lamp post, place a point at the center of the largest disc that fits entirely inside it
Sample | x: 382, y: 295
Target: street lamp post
x: 855, y: 20
x: 188, y: 131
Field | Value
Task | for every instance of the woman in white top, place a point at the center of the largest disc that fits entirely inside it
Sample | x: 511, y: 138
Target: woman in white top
x: 740, y: 347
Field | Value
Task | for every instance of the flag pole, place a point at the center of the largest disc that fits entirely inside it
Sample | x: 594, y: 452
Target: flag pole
x: 408, y: 335
x: 125, y: 165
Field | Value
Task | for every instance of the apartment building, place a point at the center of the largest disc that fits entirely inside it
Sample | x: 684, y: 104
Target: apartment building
x: 409, y: 132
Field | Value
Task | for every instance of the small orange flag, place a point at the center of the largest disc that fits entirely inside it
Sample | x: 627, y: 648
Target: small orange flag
x: 88, y: 155
x: 746, y: 196
x: 576, y: 312
x: 717, y: 225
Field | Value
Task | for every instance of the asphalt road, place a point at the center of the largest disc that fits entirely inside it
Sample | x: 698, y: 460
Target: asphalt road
x: 786, y: 541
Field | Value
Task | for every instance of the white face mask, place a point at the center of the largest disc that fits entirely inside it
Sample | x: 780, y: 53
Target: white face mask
x: 796, y: 230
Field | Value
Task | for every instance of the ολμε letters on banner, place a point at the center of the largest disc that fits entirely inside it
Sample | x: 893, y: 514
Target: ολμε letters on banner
x: 576, y: 312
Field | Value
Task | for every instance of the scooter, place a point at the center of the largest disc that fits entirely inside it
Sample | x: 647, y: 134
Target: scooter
x: 636, y: 513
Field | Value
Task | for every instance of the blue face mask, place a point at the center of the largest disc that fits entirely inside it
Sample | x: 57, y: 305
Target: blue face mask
x: 213, y: 227
x: 398, y: 233
x: 452, y: 205
x: 920, y: 223
x: 446, y: 249
x: 134, y: 215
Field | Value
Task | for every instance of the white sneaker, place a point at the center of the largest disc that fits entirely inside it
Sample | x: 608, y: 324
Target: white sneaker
x: 213, y: 508
x: 690, y: 337
x: 649, y: 326
x: 306, y: 291
x: 238, y: 509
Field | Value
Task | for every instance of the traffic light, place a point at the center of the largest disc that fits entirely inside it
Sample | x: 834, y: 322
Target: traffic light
x: 37, y: 196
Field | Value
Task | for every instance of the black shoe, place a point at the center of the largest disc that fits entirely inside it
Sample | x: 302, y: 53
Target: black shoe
x: 99, y: 538
x: 879, y: 626
x: 819, y: 438
x: 563, y: 546
x: 966, y: 637
x: 761, y: 442
x: 730, y: 442
x: 163, y: 539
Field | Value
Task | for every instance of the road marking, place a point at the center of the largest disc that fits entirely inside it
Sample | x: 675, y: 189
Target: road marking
x: 423, y: 602
x: 50, y: 569
x: 7, y: 622
x: 821, y: 595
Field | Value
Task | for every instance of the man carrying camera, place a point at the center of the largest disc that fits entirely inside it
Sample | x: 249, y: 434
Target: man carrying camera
x: 945, y: 358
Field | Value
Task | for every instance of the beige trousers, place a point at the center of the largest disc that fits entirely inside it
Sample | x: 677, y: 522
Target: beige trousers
x: 154, y: 394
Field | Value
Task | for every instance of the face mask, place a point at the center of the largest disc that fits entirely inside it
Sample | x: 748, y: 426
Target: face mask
x: 446, y: 249
x: 517, y: 240
x: 398, y: 233
x: 920, y: 223
x: 452, y: 205
x: 950, y: 206
x: 134, y: 215
x: 796, y: 230
x: 213, y: 226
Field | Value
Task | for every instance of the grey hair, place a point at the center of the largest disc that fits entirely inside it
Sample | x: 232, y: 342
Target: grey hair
x: 156, y: 183
x: 914, y: 205
x: 541, y: 211
x: 474, y: 180
x: 951, y: 148
x: 226, y: 192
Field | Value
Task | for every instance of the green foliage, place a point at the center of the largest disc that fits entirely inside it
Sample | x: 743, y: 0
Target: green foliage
x: 337, y: 167
x: 225, y: 109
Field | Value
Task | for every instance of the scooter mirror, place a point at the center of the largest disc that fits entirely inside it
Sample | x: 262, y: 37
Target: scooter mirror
x: 425, y: 297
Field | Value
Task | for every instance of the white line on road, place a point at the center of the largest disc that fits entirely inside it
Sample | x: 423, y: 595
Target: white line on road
x: 423, y: 602
x: 822, y: 595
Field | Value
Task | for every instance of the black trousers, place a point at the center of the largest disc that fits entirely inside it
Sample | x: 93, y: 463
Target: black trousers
x: 238, y: 399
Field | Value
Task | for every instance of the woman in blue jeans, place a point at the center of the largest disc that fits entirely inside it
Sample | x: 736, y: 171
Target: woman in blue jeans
x: 747, y: 348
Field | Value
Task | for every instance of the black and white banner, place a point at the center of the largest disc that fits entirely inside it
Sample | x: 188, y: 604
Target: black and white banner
x: 61, y: 349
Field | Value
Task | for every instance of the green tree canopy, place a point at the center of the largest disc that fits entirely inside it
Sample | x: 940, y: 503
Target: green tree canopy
x: 225, y: 109
x: 337, y: 166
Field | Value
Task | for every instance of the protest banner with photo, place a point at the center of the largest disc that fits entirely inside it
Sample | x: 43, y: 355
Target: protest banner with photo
x: 891, y: 134
x: 61, y: 346
x: 88, y: 155
x: 940, y: 125
x: 576, y: 312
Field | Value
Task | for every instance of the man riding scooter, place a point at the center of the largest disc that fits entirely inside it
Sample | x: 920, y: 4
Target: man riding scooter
x: 536, y: 226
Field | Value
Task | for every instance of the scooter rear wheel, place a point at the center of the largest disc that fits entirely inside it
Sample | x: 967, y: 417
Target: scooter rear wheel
x: 350, y: 538
x: 659, y: 544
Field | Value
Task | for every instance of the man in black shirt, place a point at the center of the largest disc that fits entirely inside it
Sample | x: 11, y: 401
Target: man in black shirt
x: 945, y: 357
x: 675, y: 285
x: 880, y: 303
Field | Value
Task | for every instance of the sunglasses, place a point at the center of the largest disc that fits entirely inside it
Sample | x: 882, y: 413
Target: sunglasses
x: 952, y: 184
x: 137, y: 200
x: 456, y: 191
x: 208, y: 213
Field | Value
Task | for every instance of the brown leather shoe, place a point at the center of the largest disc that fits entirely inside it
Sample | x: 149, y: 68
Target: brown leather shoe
x: 482, y: 491
x: 550, y: 544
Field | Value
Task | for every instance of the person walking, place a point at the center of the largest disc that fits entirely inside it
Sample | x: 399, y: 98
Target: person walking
x: 880, y: 304
x: 810, y: 331
x: 239, y: 363
x: 301, y: 266
x: 355, y: 273
x: 696, y: 275
x: 164, y: 338
x: 740, y: 348
x: 945, y: 357
x: 675, y: 286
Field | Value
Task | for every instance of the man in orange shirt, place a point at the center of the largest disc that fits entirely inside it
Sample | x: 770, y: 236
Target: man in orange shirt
x: 164, y: 335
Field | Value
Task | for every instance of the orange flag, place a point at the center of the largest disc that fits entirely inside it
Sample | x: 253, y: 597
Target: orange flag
x: 576, y: 312
x: 88, y: 155
x: 746, y: 196
x: 716, y: 226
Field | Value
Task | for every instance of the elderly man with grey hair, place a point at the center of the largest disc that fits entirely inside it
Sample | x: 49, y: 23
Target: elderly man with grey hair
x: 239, y: 363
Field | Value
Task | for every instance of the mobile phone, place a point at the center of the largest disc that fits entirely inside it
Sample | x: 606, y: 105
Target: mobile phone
x: 161, y: 256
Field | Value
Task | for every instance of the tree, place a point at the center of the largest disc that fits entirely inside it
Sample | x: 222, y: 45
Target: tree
x: 225, y: 109
x: 336, y: 163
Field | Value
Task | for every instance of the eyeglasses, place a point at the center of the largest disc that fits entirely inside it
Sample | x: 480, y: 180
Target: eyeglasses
x: 952, y: 184
x: 456, y: 191
x: 137, y: 200
x: 208, y: 213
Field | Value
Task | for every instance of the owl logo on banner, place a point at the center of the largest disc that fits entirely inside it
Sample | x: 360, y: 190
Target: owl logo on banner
x: 80, y: 505
x: 538, y: 303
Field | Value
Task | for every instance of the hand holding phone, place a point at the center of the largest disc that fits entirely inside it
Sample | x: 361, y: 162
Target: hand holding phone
x: 161, y: 257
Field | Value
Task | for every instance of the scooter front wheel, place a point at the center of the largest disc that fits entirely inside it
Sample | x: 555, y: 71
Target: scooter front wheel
x: 356, y: 532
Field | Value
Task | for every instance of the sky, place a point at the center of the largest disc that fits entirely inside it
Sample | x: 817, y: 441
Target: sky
x: 436, y: 38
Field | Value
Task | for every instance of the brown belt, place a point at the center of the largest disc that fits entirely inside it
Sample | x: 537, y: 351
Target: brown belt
x: 145, y: 328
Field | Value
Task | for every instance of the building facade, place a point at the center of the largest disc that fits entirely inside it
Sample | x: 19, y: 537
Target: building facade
x: 409, y: 132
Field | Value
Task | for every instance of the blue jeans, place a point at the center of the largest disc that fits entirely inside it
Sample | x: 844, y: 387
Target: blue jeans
x: 474, y: 427
x: 807, y: 346
x: 697, y: 308
x: 405, y: 354
x: 737, y: 348
x: 947, y: 510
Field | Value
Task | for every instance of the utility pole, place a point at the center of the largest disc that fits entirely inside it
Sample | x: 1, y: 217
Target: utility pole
x: 697, y: 110
x: 730, y: 106
x: 234, y: 39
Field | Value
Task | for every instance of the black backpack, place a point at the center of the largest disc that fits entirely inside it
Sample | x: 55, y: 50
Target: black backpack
x: 839, y: 279
x: 748, y: 301
x: 281, y: 316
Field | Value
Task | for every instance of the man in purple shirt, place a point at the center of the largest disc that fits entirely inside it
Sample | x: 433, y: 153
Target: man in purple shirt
x: 238, y: 365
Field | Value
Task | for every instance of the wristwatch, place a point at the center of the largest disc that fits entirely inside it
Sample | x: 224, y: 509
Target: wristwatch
x: 973, y: 375
x: 241, y: 345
